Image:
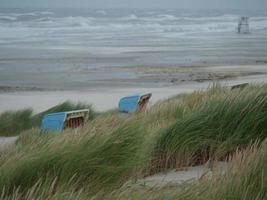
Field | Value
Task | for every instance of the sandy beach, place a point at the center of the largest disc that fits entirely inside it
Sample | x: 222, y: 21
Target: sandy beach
x: 180, y: 177
x: 104, y: 98
x: 7, y: 141
x: 65, y: 66
x: 98, y: 57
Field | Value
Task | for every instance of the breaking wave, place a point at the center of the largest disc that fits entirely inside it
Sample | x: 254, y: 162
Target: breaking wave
x: 129, y: 18
x: 18, y: 16
x: 43, y: 23
x: 7, y: 18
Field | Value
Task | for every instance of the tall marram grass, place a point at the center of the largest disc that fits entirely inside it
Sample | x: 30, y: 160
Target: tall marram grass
x: 215, y: 129
x: 245, y: 178
x: 14, y: 122
x: 110, y: 150
x: 98, y: 162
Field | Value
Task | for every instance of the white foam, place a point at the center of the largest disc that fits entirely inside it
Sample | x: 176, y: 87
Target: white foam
x: 167, y: 17
x: 46, y: 13
x: 46, y: 24
x: 129, y: 17
x: 36, y: 13
x: 8, y: 18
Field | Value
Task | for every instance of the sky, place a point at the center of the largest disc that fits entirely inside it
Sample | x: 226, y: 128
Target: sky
x: 195, y: 4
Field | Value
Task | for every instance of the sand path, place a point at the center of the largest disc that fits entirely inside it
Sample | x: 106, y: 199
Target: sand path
x: 179, y: 177
x: 7, y: 140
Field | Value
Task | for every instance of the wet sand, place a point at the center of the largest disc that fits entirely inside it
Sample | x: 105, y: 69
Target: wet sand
x: 79, y: 78
x: 174, y: 75
x: 107, y: 97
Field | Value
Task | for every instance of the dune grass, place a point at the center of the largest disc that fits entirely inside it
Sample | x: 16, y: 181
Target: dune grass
x: 245, y: 178
x: 215, y: 129
x: 12, y: 123
x: 183, y: 131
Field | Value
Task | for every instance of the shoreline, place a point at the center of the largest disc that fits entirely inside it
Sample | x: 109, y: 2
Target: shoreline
x: 126, y: 77
x: 106, y: 98
x: 175, y: 75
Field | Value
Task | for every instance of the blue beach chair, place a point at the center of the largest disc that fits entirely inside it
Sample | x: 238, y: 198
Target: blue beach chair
x: 57, y: 122
x: 134, y: 103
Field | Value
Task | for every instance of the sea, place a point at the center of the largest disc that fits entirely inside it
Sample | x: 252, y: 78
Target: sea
x: 41, y: 46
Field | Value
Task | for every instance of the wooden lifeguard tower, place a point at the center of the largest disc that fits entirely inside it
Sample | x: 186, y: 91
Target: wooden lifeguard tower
x: 243, y: 25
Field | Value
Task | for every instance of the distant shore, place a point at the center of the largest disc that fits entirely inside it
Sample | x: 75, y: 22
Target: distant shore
x: 175, y: 75
x: 9, y: 89
x: 155, y: 80
x: 126, y: 77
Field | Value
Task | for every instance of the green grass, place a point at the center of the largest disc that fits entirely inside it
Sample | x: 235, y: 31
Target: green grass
x: 14, y: 122
x: 245, y: 178
x: 110, y: 150
x: 215, y: 129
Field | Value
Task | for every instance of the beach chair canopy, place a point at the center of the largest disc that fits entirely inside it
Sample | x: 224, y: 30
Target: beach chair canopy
x: 133, y: 103
x: 59, y: 121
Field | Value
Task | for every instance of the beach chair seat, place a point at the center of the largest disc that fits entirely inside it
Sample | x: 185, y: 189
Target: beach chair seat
x: 57, y: 122
x: 134, y: 103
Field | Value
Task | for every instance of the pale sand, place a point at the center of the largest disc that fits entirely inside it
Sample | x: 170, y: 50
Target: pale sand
x: 6, y: 141
x: 102, y: 99
x: 179, y: 177
x: 106, y: 98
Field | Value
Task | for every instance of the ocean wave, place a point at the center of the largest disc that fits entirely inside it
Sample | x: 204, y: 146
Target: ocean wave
x: 202, y: 28
x: 186, y: 19
x: 35, y: 13
x: 45, y: 13
x: 129, y: 17
x: 7, y: 18
x: 90, y: 24
x: 221, y: 18
x: 76, y: 21
x: 168, y: 24
x: 44, y: 19
x: 59, y: 22
x: 31, y: 16
x: 260, y: 18
x: 167, y: 17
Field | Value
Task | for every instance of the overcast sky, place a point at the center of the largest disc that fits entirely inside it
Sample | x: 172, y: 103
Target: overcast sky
x: 235, y: 4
